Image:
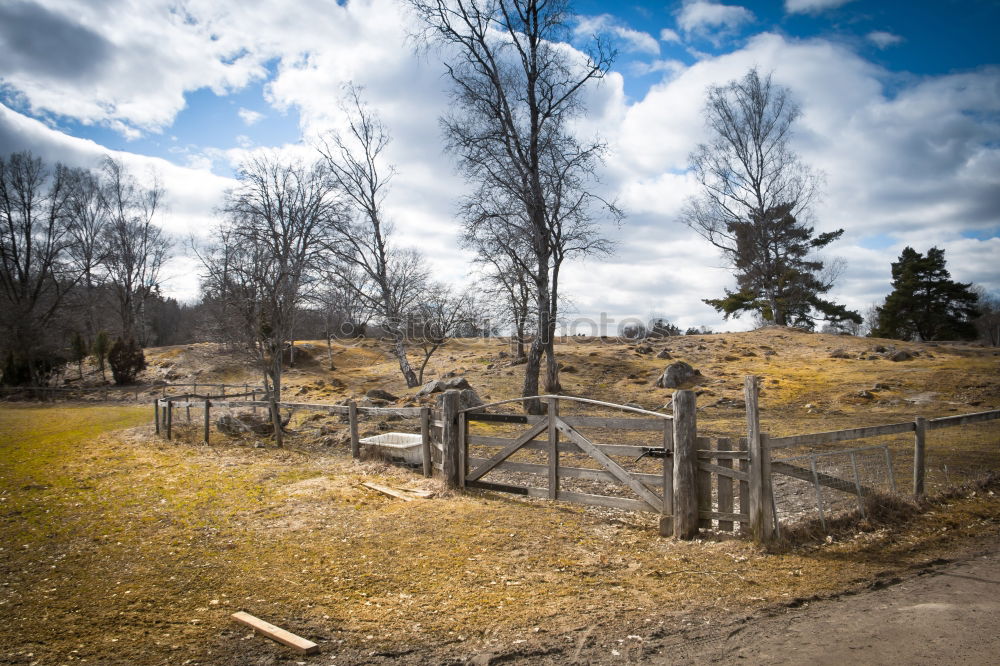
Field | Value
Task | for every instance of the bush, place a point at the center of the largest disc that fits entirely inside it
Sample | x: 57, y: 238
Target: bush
x: 126, y: 360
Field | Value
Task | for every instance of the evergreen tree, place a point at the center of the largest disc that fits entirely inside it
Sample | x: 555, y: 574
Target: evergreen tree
x: 78, y: 351
x: 126, y: 360
x: 775, y: 274
x: 925, y: 303
x: 102, y: 345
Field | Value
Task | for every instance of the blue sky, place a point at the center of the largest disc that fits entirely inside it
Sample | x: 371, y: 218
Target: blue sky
x: 901, y: 112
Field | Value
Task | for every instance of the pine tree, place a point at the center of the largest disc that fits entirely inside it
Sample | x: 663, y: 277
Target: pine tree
x: 775, y: 273
x: 102, y: 345
x: 925, y: 303
x: 78, y: 351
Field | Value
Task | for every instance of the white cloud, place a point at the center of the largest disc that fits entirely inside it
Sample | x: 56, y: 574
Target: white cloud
x: 634, y: 40
x: 812, y: 6
x: 883, y: 39
x: 250, y: 117
x: 918, y: 165
x: 668, y: 35
x: 706, y: 17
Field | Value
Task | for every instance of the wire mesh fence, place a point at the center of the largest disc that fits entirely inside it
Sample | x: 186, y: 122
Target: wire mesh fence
x: 830, y: 481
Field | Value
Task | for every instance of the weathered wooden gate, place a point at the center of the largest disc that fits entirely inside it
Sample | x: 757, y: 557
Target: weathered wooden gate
x: 555, y: 438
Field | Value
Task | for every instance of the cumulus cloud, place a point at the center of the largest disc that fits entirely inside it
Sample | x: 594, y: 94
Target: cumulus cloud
x: 883, y: 39
x: 812, y: 6
x: 633, y: 40
x: 669, y: 36
x: 707, y: 18
x: 250, y: 117
x: 907, y: 162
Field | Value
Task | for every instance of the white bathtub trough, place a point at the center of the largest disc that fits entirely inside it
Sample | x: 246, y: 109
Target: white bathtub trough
x: 402, y: 445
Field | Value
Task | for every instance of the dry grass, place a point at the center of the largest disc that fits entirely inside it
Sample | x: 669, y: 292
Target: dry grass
x: 122, y: 547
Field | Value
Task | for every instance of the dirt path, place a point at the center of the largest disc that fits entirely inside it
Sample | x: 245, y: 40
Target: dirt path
x: 947, y: 614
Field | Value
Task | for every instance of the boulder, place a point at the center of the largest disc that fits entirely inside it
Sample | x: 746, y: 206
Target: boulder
x: 677, y: 374
x: 459, y: 383
x: 245, y: 422
x: 433, y: 386
x: 644, y: 349
x: 379, y: 394
x: 467, y: 398
x: 839, y: 353
x: 664, y: 354
x: 901, y: 355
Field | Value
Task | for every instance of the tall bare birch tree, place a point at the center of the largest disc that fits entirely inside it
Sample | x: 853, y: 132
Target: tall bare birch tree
x: 389, y: 279
x: 516, y: 87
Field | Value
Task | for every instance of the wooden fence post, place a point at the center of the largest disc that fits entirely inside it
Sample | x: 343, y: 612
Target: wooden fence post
x: 685, y: 465
x: 425, y: 440
x: 170, y: 417
x: 919, y: 453
x: 452, y: 458
x: 552, y: 409
x: 667, y: 512
x: 761, y: 511
x: 156, y: 414
x: 208, y: 406
x: 352, y: 418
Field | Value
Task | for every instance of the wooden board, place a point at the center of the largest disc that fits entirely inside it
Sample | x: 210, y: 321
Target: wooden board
x: 725, y: 485
x: 631, y: 451
x: 654, y: 480
x: 841, y: 435
x: 964, y: 419
x: 778, y: 467
x: 655, y: 503
x: 388, y: 491
x: 284, y: 637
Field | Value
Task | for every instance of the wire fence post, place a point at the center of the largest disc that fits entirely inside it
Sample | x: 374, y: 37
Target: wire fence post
x: 156, y: 414
x: 425, y: 440
x: 208, y: 406
x: 352, y: 415
x: 919, y: 463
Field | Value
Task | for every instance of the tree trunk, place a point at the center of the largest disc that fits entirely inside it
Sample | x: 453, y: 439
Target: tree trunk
x: 551, y: 364
x: 399, y: 349
x: 531, y: 369
x: 276, y: 360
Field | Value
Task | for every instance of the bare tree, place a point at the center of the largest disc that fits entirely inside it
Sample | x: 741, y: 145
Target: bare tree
x: 516, y: 88
x: 389, y: 279
x: 278, y: 220
x: 136, y: 248
x: 87, y: 227
x: 34, y: 271
x: 436, y: 319
x: 756, y: 198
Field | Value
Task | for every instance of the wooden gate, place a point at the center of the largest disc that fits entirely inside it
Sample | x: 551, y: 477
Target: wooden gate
x: 562, y: 450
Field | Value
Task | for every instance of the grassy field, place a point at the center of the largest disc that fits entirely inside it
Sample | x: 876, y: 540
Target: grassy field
x: 118, y: 547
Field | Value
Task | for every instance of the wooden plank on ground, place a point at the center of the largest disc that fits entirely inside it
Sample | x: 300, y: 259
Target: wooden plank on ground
x: 388, y: 491
x: 284, y: 637
x: 841, y: 435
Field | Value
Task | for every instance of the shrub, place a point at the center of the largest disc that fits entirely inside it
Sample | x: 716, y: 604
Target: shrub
x: 126, y: 360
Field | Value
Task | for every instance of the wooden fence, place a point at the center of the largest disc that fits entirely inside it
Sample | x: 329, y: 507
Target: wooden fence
x: 51, y: 392
x: 702, y: 482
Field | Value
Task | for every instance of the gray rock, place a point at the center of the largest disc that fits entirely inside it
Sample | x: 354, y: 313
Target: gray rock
x: 677, y: 374
x: 379, y: 394
x: 467, y: 398
x: 456, y: 383
x: 664, y: 354
x: 433, y: 386
x: 901, y: 355
x: 839, y: 353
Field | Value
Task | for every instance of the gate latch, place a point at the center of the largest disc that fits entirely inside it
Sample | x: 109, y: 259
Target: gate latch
x: 653, y: 452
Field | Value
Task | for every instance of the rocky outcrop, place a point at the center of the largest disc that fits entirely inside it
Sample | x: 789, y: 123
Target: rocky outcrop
x: 678, y: 375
